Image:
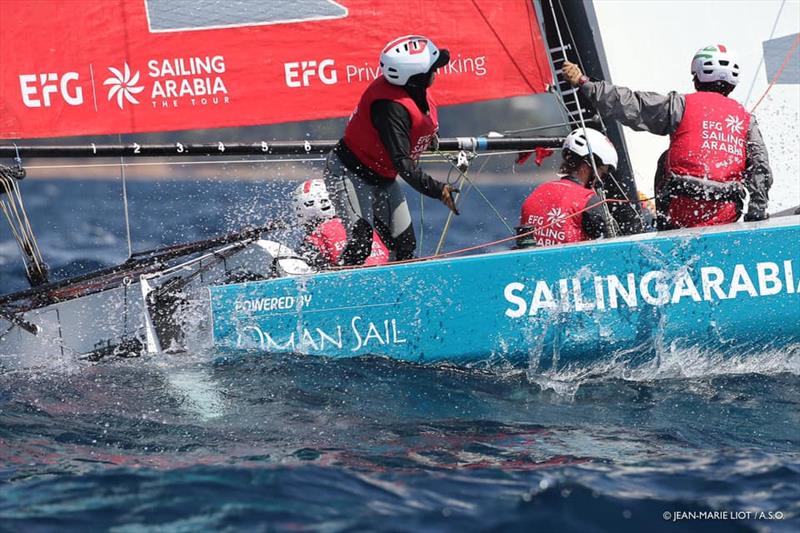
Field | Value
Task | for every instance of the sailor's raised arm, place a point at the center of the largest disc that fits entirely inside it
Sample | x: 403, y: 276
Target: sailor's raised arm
x: 757, y: 174
x: 639, y: 110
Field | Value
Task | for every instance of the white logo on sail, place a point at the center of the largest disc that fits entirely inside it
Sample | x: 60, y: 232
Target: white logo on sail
x: 735, y: 124
x: 123, y: 85
x: 556, y: 217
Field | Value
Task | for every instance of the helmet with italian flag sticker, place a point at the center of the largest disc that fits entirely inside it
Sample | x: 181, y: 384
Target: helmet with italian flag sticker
x: 312, y: 203
x: 715, y: 63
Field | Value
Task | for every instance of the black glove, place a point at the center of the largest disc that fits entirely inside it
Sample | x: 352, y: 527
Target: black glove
x: 754, y: 214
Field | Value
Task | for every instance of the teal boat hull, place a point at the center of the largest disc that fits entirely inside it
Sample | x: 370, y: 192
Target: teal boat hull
x: 726, y: 289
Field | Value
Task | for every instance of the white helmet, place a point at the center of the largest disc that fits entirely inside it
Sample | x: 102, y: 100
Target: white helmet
x: 715, y: 63
x: 410, y: 55
x: 311, y: 201
x: 579, y: 143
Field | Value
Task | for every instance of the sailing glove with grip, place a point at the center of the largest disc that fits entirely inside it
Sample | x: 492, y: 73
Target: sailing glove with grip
x: 572, y: 73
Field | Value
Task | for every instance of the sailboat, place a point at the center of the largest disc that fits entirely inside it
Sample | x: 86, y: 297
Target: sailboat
x: 138, y: 67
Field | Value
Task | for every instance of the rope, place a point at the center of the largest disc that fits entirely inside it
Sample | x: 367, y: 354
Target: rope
x: 510, y: 56
x: 421, y: 223
x: 488, y: 202
x: 12, y: 225
x: 602, y: 123
x: 425, y: 157
x: 36, y: 252
x: 505, y: 239
x: 459, y: 196
x: 16, y: 219
x: 775, y: 78
x: 482, y: 245
x: 761, y: 61
x: 535, y: 128
x: 601, y: 192
x: 13, y: 209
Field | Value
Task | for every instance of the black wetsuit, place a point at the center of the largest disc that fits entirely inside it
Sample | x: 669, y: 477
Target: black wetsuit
x: 393, y: 124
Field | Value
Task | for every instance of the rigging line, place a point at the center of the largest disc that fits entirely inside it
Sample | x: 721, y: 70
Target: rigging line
x: 534, y: 128
x: 616, y: 182
x: 503, y: 46
x: 444, y: 159
x: 125, y: 199
x: 421, y: 223
x: 425, y: 157
x: 24, y: 239
x: 533, y: 25
x: 580, y: 64
x: 564, y: 108
x: 35, y: 251
x: 577, y: 55
x: 12, y: 225
x: 568, y: 121
x: 23, y: 232
x: 24, y: 223
x: 449, y: 219
x: 569, y: 31
x: 450, y: 215
x: 481, y: 245
x: 215, y: 253
x: 778, y: 74
x: 629, y: 201
x: 488, y: 202
x: 761, y: 61
x: 601, y: 193
x: 17, y: 237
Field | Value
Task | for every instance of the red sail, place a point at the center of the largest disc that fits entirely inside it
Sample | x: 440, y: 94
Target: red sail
x: 125, y: 66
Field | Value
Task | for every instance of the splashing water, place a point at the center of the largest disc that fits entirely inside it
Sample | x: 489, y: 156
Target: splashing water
x: 206, y: 441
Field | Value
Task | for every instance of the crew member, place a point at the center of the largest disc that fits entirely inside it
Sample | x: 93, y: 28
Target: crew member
x: 325, y: 237
x: 568, y: 210
x: 394, y: 123
x: 716, y: 151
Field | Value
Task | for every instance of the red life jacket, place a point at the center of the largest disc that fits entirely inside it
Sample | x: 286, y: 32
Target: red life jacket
x: 710, y: 143
x: 362, y: 139
x: 551, y: 209
x: 330, y: 238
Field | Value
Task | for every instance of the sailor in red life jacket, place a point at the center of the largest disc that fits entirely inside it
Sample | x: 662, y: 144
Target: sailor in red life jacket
x: 394, y: 123
x: 716, y: 151
x: 568, y: 210
x: 325, y: 237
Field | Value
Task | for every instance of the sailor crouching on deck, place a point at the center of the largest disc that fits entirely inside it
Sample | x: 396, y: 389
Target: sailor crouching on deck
x: 569, y: 210
x: 716, y: 151
x: 325, y: 237
x: 394, y: 123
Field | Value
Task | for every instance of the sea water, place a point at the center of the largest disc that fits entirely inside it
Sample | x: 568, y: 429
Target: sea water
x: 203, y: 441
